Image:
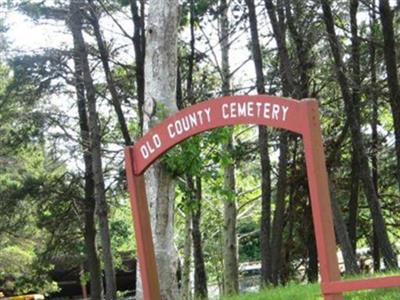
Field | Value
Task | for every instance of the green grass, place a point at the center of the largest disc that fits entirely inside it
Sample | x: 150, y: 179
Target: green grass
x: 312, y: 292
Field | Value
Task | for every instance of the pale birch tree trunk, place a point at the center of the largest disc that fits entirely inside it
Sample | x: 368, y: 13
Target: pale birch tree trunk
x: 160, y: 93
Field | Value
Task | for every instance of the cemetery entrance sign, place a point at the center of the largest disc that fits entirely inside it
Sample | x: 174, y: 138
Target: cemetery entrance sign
x: 301, y: 117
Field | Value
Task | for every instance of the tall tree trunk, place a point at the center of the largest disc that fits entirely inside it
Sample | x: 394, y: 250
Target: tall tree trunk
x: 95, y: 147
x: 341, y: 230
x: 104, y: 56
x: 160, y: 93
x: 357, y: 139
x: 312, y: 264
x: 279, y: 30
x: 278, y: 222
x: 349, y: 257
x: 200, y: 276
x: 288, y: 89
x: 265, y: 232
x: 96, y: 288
x: 289, y: 217
x: 230, y: 254
x: 187, y: 258
x: 389, y: 51
x: 139, y: 46
x: 356, y: 87
x: 189, y: 83
x: 179, y: 94
x: 186, y: 288
x: 353, y: 201
x: 231, y: 275
x: 302, y: 49
x: 373, y: 95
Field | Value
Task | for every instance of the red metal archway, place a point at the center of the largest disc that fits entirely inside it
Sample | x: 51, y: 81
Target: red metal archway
x: 298, y: 116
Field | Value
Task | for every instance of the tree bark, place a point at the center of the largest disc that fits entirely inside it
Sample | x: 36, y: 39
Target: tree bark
x: 160, y: 93
x: 231, y: 275
x: 104, y: 56
x: 374, y: 127
x: 356, y: 87
x: 288, y: 89
x: 95, y: 146
x: 353, y: 201
x: 187, y: 258
x: 189, y: 82
x: 96, y: 288
x: 224, y: 42
x: 265, y: 226
x: 230, y: 254
x: 186, y: 287
x: 278, y: 222
x: 200, y: 276
x: 288, y: 244
x: 301, y: 47
x: 349, y: 257
x: 179, y: 94
x: 139, y: 43
x: 389, y: 51
x: 278, y: 28
x: 357, y: 139
x: 312, y: 264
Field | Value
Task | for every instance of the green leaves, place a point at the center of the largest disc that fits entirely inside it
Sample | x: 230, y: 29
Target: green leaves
x: 200, y: 9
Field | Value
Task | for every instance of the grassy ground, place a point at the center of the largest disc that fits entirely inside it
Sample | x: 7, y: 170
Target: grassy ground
x: 312, y: 292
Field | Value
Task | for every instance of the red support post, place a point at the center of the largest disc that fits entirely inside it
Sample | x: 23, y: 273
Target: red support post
x: 320, y: 196
x: 144, y: 237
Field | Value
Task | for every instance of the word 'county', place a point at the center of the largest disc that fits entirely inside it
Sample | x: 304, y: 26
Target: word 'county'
x: 188, y: 122
x: 176, y: 128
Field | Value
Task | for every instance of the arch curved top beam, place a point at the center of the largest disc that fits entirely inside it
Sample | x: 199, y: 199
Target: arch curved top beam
x: 278, y: 112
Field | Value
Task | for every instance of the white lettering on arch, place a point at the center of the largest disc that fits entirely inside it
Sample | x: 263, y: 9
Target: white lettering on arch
x: 144, y: 151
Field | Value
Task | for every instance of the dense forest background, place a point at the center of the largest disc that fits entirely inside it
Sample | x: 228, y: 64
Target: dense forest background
x: 223, y: 198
